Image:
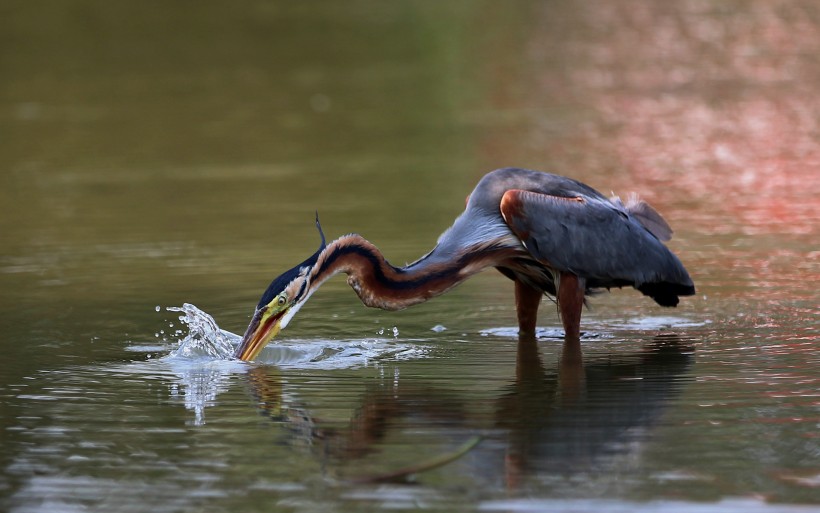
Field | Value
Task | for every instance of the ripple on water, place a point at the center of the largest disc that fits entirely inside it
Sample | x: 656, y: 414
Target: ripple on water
x: 656, y: 322
x: 540, y: 333
x: 603, y: 329
x: 671, y: 506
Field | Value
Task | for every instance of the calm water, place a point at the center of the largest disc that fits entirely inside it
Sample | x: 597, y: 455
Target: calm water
x: 153, y: 156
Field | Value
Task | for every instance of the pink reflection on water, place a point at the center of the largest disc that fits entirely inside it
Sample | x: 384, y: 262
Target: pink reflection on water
x: 712, y: 103
x: 710, y: 111
x: 751, y: 162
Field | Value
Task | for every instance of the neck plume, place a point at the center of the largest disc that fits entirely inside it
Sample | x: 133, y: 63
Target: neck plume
x: 384, y: 286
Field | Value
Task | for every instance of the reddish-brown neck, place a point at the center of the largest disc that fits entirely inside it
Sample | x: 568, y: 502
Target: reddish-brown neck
x: 384, y: 286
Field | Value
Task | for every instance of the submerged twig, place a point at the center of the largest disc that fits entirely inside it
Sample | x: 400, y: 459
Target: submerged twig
x: 433, y: 463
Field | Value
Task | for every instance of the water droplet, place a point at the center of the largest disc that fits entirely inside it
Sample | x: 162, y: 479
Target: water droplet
x: 157, y: 308
x: 438, y: 328
x: 395, y: 332
x: 380, y: 332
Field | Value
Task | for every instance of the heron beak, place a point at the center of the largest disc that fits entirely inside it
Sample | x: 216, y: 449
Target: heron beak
x: 265, y: 325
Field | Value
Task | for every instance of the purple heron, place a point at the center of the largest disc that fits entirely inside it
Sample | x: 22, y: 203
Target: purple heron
x: 548, y: 233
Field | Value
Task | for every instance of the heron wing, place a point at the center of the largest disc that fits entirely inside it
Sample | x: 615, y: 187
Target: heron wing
x: 646, y: 215
x: 595, y: 239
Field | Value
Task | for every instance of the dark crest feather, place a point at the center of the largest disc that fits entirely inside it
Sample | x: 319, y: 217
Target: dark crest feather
x: 282, y: 281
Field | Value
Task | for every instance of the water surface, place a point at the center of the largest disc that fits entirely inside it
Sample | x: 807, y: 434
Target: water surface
x: 162, y: 156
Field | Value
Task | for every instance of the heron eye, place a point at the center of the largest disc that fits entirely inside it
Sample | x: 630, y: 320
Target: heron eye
x: 281, y: 300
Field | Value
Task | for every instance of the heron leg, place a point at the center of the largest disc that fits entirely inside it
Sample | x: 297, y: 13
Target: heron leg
x: 527, y: 300
x: 570, y: 302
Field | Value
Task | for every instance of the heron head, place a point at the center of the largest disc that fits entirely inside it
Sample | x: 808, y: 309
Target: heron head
x: 282, y: 299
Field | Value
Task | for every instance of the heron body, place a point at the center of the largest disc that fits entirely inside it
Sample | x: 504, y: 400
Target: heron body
x: 548, y: 233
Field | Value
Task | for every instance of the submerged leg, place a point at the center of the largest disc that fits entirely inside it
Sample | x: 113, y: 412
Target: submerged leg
x: 570, y: 302
x: 527, y: 300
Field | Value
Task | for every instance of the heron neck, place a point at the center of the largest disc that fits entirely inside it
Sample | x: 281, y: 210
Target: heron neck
x: 382, y: 285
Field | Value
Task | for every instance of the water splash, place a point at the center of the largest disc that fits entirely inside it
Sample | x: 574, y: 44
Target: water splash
x: 205, y: 337
x: 204, y: 367
x: 206, y: 342
x: 394, y: 330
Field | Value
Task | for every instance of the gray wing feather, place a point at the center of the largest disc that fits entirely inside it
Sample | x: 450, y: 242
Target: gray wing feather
x: 593, y: 238
x: 646, y: 215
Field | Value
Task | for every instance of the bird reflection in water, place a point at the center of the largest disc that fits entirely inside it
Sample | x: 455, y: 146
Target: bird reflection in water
x: 579, y: 416
x: 571, y: 418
